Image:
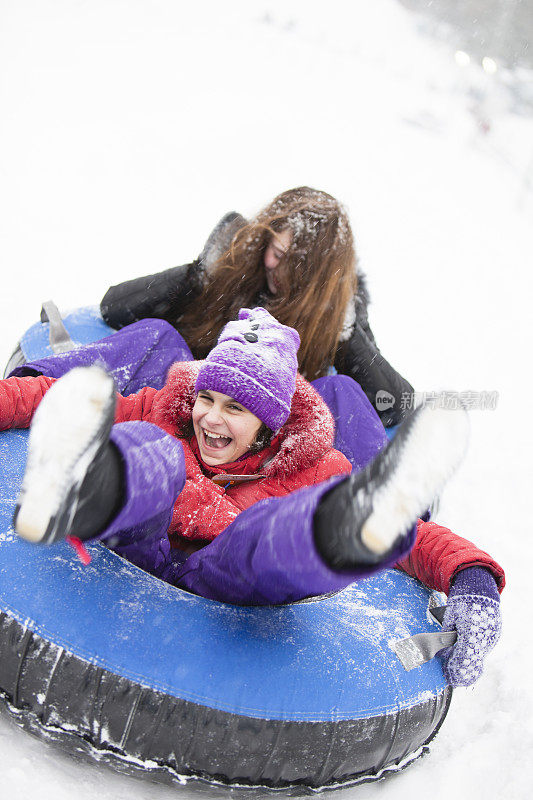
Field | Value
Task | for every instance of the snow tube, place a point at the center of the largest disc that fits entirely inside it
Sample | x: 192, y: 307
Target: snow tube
x: 76, y: 328
x: 108, y: 661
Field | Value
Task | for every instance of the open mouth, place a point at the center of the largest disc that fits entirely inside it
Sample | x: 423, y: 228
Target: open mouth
x: 214, y: 441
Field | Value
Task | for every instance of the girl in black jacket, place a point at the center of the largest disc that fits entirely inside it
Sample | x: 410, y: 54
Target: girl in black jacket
x: 297, y: 259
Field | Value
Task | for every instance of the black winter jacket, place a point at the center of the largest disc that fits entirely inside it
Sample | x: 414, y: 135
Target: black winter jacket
x: 168, y: 294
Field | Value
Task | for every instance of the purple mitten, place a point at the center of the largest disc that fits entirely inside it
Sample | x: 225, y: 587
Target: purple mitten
x: 473, y: 610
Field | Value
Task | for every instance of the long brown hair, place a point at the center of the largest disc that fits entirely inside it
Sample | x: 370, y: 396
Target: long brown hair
x: 316, y: 276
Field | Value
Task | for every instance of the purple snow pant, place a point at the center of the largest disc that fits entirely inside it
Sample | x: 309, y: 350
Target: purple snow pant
x: 136, y: 356
x: 141, y: 354
x: 266, y: 556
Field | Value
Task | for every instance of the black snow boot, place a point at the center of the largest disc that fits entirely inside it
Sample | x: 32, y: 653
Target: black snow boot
x: 74, y: 475
x: 362, y: 520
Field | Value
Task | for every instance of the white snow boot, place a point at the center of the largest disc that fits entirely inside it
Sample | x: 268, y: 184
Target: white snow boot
x: 365, y: 518
x: 69, y: 441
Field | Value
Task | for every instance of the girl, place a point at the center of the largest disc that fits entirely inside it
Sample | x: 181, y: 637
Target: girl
x: 296, y: 258
x: 174, y: 485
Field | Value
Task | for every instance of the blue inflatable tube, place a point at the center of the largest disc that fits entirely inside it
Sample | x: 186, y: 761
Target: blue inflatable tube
x: 83, y: 325
x: 109, y: 661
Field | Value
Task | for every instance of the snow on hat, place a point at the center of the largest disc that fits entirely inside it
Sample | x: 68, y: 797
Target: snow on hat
x: 254, y: 362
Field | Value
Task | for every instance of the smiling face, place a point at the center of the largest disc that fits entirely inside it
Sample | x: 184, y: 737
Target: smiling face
x: 276, y: 249
x: 224, y: 429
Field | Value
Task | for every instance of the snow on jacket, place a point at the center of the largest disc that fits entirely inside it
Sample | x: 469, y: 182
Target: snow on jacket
x: 168, y: 294
x: 300, y: 456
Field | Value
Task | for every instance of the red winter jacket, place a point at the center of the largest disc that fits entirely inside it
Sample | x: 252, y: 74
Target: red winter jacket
x: 301, y: 455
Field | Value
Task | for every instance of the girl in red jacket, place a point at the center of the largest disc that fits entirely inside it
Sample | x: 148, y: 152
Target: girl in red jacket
x: 238, y: 428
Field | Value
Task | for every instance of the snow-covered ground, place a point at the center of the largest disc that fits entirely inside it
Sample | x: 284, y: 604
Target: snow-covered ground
x: 129, y: 126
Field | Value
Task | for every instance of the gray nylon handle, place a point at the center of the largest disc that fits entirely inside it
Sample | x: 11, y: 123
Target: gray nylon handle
x: 60, y: 341
x: 422, y: 647
x: 416, y: 650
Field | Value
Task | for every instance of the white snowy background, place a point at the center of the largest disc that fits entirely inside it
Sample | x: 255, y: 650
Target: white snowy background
x: 128, y: 127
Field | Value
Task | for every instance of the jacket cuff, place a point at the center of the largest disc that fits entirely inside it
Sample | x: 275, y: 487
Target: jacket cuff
x: 474, y: 580
x: 490, y: 567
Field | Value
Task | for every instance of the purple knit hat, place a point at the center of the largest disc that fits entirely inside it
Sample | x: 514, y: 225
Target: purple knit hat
x: 254, y: 361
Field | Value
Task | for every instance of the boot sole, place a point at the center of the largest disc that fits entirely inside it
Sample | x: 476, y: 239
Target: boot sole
x: 66, y: 432
x: 428, y: 453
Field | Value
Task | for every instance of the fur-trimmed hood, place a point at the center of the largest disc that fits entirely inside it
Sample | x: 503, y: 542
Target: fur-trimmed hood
x: 306, y: 436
